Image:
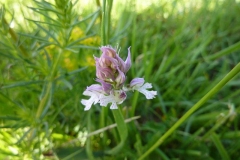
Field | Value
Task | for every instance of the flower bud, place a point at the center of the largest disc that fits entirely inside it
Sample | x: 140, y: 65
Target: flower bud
x: 120, y: 78
x: 110, y: 67
x: 108, y: 58
x: 102, y: 72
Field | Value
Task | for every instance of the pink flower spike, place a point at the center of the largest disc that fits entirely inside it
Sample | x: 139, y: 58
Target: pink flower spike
x: 111, y: 72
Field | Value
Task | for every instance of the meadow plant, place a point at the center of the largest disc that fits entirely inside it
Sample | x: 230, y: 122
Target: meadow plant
x: 111, y: 73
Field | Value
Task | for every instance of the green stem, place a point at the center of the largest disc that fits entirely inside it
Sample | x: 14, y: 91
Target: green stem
x: 88, y: 144
x: 109, y: 9
x: 122, y: 130
x: 44, y: 100
x: 103, y: 30
x: 212, y: 92
x: 103, y: 123
x: 49, y: 85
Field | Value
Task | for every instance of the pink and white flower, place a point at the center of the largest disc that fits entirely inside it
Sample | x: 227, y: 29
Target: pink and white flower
x: 111, y: 73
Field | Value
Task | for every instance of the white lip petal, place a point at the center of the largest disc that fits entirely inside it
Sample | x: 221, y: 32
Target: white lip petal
x: 114, y: 98
x: 87, y: 104
x: 104, y: 100
x: 94, y: 98
x: 147, y: 85
x: 148, y: 94
x: 142, y: 88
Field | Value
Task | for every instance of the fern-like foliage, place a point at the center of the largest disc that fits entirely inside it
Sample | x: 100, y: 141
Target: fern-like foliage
x: 41, y: 58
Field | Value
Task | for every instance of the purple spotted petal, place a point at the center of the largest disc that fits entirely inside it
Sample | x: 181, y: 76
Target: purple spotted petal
x: 122, y: 95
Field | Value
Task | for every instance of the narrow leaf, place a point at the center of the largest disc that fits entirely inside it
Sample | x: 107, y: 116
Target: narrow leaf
x: 222, y: 151
x: 20, y: 84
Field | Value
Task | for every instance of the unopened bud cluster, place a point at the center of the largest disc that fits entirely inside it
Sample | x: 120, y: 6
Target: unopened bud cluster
x: 111, y: 74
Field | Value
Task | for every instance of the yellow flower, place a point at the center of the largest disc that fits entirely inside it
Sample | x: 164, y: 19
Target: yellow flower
x: 72, y: 61
x: 91, y: 41
x: 76, y: 33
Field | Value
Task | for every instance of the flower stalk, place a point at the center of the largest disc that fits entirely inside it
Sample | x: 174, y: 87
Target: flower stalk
x: 103, y: 23
x: 122, y: 130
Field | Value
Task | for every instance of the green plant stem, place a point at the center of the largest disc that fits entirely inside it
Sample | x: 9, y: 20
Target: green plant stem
x: 103, y: 123
x: 122, y: 130
x: 88, y: 144
x: 109, y: 9
x: 103, y: 31
x: 44, y: 100
x: 46, y: 97
x: 212, y: 92
x: 49, y: 85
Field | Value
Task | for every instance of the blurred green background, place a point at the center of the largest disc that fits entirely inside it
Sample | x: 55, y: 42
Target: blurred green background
x: 183, y: 47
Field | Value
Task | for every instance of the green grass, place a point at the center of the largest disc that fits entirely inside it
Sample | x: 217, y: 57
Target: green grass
x: 184, y: 50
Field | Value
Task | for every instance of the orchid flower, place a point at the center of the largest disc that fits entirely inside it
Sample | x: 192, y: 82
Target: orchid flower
x: 111, y: 73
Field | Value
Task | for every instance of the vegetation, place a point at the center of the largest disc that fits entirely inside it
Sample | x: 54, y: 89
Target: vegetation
x: 184, y: 49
